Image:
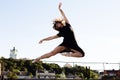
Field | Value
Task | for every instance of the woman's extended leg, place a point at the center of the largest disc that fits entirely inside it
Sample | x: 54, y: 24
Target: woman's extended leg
x: 52, y: 53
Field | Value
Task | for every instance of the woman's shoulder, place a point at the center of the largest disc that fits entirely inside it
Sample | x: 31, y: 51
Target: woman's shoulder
x: 68, y: 24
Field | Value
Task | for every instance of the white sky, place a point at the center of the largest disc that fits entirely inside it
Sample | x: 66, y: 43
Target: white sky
x: 96, y: 24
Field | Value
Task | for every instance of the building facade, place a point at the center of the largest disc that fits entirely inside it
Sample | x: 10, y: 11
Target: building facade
x: 13, y: 53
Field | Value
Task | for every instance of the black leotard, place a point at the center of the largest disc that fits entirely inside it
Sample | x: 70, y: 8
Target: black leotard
x: 69, y: 39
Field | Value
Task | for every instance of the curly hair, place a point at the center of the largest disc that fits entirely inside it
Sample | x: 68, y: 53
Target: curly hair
x: 58, y: 20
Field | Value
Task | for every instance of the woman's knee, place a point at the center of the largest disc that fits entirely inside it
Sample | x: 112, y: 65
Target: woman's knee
x: 79, y: 54
x: 82, y: 54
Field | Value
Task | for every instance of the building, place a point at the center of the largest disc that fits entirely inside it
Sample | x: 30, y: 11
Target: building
x: 45, y: 75
x: 68, y: 65
x: 113, y: 73
x: 13, y: 53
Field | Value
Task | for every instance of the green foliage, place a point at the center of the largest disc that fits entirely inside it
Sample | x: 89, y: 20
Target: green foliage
x: 52, y: 67
x: 94, y: 74
x: 82, y: 72
x: 14, y: 66
x: 12, y: 75
x: 20, y: 65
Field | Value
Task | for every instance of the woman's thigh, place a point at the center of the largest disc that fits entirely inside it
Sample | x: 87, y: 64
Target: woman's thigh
x: 75, y: 51
x: 58, y: 49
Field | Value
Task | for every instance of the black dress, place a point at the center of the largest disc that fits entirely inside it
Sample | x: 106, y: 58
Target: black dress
x: 69, y: 39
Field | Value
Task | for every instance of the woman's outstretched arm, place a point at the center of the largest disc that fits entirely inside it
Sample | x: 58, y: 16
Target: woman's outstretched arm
x: 62, y: 13
x: 49, y: 38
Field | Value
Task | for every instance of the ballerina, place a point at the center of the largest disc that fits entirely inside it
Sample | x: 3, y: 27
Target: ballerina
x: 69, y: 46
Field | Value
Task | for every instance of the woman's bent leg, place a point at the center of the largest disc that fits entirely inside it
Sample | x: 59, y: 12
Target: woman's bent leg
x: 74, y: 53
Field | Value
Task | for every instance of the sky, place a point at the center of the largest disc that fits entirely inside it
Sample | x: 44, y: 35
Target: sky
x: 96, y: 24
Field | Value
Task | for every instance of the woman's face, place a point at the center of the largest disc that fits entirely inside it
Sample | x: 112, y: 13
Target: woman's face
x: 58, y: 25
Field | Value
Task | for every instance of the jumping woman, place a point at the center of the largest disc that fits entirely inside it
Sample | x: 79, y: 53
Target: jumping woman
x: 69, y: 46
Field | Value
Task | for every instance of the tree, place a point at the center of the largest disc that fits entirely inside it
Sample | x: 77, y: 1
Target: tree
x: 12, y: 75
x: 52, y: 67
x: 56, y: 68
x: 16, y: 65
x: 68, y: 70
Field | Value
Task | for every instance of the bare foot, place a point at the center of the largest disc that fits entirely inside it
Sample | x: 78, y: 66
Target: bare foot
x: 36, y: 60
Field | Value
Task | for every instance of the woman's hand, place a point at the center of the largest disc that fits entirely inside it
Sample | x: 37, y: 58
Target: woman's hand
x: 62, y: 13
x: 60, y: 4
